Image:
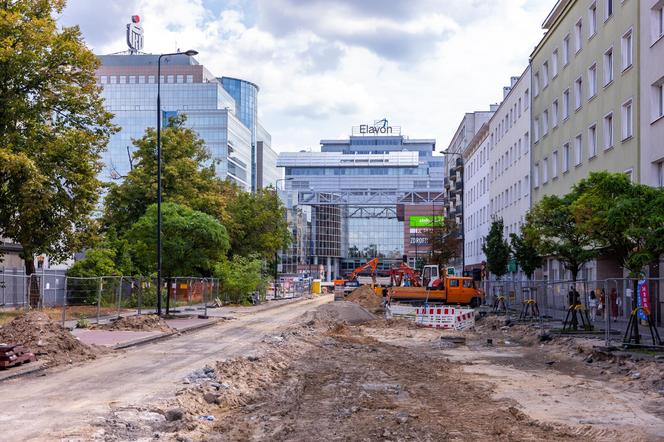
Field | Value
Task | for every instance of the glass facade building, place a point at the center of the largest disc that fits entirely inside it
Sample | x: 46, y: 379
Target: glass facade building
x: 245, y: 94
x: 226, y: 124
x: 353, y: 188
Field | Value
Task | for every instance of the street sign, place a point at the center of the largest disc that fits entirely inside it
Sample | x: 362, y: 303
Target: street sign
x: 450, y: 270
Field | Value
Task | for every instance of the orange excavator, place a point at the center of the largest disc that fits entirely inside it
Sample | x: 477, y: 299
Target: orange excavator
x: 350, y: 283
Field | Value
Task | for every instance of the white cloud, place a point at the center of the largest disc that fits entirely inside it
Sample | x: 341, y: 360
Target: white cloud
x: 324, y: 66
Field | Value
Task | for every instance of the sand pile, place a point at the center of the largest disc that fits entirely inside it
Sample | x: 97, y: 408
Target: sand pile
x: 366, y: 297
x: 328, y: 315
x: 136, y: 323
x: 47, y: 339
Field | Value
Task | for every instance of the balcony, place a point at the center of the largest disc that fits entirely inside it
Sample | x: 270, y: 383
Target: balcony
x: 447, y: 183
x: 459, y: 164
x: 458, y: 185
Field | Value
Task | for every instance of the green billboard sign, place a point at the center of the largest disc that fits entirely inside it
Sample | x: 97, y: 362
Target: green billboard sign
x: 426, y: 221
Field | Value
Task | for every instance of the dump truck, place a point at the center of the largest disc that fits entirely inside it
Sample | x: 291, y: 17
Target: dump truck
x: 436, y: 288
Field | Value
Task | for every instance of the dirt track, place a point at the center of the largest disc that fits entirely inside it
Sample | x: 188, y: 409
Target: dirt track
x: 33, y: 407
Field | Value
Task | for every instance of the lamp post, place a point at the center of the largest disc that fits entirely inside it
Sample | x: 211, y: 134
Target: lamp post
x: 463, y: 211
x: 190, y: 53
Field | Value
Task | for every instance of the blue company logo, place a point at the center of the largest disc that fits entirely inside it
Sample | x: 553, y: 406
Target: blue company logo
x: 379, y: 127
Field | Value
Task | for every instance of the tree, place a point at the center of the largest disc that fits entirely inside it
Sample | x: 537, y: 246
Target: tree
x: 444, y: 242
x: 53, y: 127
x: 192, y: 242
x: 552, y: 229
x: 623, y: 217
x: 258, y: 224
x: 526, y: 254
x: 188, y: 178
x: 496, y: 249
x: 239, y: 276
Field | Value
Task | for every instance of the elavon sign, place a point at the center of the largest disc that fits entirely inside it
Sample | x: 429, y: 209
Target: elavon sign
x: 379, y: 127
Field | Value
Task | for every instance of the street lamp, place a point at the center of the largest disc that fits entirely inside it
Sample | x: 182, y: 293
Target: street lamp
x: 189, y: 53
x: 463, y: 211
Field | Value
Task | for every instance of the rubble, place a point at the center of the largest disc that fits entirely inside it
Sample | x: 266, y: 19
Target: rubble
x: 366, y: 297
x: 135, y: 323
x: 47, y: 339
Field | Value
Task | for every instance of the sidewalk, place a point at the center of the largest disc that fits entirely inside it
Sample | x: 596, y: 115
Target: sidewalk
x: 128, y: 338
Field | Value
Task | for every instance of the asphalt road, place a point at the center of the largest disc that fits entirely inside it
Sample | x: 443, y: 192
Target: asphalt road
x: 33, y: 407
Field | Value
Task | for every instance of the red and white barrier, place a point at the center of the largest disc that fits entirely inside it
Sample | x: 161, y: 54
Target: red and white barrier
x: 446, y: 317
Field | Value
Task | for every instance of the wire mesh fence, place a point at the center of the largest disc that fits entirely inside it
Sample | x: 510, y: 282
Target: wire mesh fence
x: 609, y: 303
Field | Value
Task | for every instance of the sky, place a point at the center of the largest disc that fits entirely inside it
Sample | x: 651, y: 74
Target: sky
x: 324, y: 66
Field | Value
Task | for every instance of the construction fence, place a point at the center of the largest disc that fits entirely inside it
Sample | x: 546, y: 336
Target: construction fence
x: 615, y: 298
x: 73, y: 298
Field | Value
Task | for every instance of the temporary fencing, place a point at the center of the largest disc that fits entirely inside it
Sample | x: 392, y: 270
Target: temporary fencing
x: 446, y: 317
x: 76, y: 298
x: 616, y: 298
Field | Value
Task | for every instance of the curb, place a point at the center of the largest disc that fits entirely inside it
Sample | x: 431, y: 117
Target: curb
x: 167, y: 335
x: 24, y: 373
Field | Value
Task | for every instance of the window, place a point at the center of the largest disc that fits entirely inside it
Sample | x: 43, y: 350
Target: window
x: 608, y: 131
x: 592, y: 141
x: 545, y: 74
x: 526, y: 142
x: 566, y: 104
x: 190, y: 78
x: 554, y: 164
x: 627, y: 50
x: 113, y: 79
x: 545, y: 122
x: 578, y: 149
x: 658, y: 89
x: 578, y: 36
x: 578, y: 93
x: 592, y: 81
x: 180, y: 78
x: 608, y: 9
x: 526, y: 99
x: 627, y: 120
x: 565, y: 157
x: 123, y: 79
x: 536, y: 127
x: 141, y: 79
x: 592, y: 20
x: 536, y: 176
x: 554, y: 64
x: 554, y: 114
x: 151, y: 79
x: 536, y: 81
x: 660, y: 174
x: 132, y: 79
x: 545, y: 170
x: 608, y: 66
x: 566, y: 50
x: 170, y: 78
x: 519, y: 107
x: 104, y: 79
x: 658, y: 28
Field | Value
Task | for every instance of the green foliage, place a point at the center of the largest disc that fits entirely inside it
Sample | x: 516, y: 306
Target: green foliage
x: 526, y: 254
x: 258, y: 224
x: 188, y: 178
x: 496, y: 249
x: 239, y: 277
x: 97, y: 262
x: 192, y: 241
x: 624, y: 218
x: 551, y: 227
x: 53, y: 128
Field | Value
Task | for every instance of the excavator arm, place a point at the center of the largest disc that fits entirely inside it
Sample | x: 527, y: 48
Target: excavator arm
x: 373, y: 264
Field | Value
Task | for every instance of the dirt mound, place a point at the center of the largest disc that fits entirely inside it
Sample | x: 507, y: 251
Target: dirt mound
x: 328, y: 315
x: 136, y: 323
x: 47, y: 339
x: 366, y: 297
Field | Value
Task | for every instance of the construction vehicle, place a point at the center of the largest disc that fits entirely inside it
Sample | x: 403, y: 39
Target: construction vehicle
x: 433, y: 288
x: 351, y: 282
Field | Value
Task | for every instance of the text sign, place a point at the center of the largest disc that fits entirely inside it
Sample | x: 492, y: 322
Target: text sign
x: 643, y: 300
x: 426, y: 220
x: 135, y: 34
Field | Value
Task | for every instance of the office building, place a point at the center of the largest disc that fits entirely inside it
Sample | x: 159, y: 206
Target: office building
x: 359, y: 191
x: 267, y: 172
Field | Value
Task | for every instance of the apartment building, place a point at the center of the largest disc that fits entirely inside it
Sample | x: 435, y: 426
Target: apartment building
x: 476, y: 220
x: 509, y: 156
x: 585, y: 94
x: 652, y: 92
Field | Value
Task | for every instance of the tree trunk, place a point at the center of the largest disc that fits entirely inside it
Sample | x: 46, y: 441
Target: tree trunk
x: 33, y: 281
